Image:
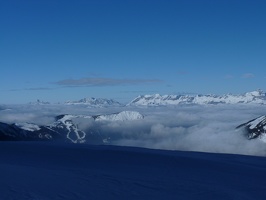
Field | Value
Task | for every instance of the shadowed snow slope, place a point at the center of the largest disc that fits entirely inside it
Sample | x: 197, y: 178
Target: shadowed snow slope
x: 35, y: 170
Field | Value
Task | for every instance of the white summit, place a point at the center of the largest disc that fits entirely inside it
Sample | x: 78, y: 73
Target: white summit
x: 121, y: 116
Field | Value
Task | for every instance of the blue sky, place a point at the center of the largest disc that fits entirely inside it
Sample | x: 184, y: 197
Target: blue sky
x: 58, y: 50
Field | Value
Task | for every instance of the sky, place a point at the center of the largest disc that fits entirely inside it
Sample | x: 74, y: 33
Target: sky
x: 59, y: 50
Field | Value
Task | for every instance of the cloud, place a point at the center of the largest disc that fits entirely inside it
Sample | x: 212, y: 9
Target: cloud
x: 248, y: 75
x: 187, y: 128
x: 91, y: 82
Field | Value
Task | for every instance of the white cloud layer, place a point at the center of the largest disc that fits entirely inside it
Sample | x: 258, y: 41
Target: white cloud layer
x: 188, y: 128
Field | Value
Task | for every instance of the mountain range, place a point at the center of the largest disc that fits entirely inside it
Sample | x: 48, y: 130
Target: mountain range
x: 65, y: 128
x: 255, y: 97
x: 94, y: 102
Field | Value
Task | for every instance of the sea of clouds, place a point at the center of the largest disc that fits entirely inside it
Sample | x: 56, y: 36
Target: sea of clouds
x: 189, y: 128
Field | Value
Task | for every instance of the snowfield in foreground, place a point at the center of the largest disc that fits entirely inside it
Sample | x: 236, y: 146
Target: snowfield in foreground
x: 41, y: 170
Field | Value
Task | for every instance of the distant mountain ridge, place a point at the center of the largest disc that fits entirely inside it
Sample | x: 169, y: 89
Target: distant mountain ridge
x: 256, y: 97
x: 94, y: 102
x: 39, y: 102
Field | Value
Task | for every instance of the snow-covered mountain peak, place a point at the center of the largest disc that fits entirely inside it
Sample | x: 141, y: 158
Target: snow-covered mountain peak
x: 67, y: 117
x: 122, y: 116
x: 255, y: 128
x: 256, y: 93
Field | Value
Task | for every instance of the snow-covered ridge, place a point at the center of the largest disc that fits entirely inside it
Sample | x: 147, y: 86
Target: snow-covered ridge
x: 94, y: 102
x: 255, y: 128
x: 255, y: 97
x: 122, y: 116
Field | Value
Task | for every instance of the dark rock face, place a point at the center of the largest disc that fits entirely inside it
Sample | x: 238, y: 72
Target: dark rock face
x: 10, y: 132
x: 255, y: 128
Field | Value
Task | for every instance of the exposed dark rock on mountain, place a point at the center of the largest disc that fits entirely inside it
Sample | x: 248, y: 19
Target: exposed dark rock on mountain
x: 255, y: 128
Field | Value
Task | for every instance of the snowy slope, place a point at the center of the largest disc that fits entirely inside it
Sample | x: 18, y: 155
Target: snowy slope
x: 255, y: 97
x: 94, y: 102
x: 122, y: 116
x: 63, y: 171
x: 65, y: 125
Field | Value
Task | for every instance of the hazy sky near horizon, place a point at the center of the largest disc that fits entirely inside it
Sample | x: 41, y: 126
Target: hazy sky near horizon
x: 58, y: 50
